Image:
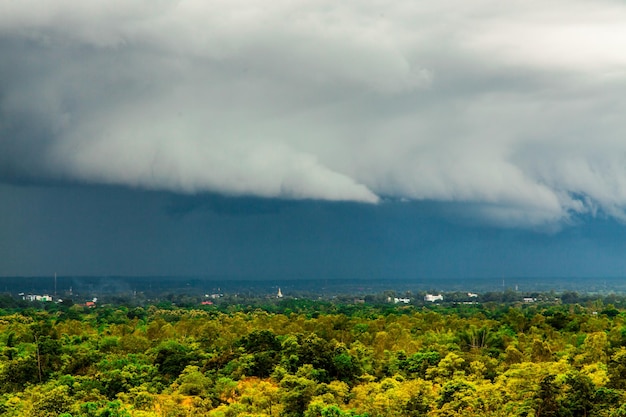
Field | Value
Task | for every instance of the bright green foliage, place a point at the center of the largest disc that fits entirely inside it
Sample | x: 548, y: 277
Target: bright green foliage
x: 296, y: 359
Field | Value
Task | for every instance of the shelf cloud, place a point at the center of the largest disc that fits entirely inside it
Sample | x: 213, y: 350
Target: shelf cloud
x: 515, y: 110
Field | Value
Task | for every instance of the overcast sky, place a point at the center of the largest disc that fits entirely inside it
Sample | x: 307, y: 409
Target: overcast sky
x: 299, y: 139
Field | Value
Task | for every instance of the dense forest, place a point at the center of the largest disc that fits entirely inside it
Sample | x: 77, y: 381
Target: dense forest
x: 315, y: 359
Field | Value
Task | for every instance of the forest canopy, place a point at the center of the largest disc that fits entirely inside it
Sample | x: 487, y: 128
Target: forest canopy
x: 301, y: 358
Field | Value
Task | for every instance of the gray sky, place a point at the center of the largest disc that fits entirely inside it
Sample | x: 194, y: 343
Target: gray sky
x: 503, y: 121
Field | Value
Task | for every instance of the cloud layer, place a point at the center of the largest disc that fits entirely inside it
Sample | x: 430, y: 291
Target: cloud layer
x: 516, y: 110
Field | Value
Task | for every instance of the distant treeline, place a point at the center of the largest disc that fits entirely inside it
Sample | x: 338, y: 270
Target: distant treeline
x: 303, y: 300
x: 152, y: 286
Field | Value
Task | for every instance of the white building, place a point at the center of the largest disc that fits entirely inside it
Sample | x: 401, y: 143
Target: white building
x: 36, y: 297
x: 401, y: 300
x: 432, y: 298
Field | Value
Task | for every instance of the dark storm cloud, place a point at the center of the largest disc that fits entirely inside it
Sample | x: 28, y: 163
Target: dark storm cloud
x: 515, y: 110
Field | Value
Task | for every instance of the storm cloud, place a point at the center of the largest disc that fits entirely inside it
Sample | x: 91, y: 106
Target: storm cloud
x: 516, y: 109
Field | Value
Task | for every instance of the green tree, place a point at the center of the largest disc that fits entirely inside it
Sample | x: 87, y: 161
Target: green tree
x: 172, y: 357
x: 296, y: 394
x: 547, y: 398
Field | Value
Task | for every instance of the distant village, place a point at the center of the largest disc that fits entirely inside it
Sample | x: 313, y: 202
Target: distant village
x: 49, y: 299
x: 181, y: 293
x: 210, y: 299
